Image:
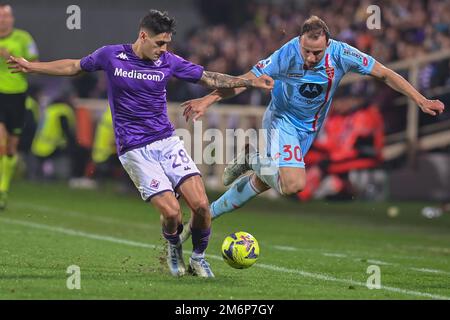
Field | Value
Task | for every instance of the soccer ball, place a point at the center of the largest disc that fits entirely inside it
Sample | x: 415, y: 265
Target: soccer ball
x: 240, y: 250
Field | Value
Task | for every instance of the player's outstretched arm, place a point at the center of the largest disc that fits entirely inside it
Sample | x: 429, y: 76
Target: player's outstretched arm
x: 196, y: 108
x: 217, y: 80
x: 398, y: 83
x: 67, y: 67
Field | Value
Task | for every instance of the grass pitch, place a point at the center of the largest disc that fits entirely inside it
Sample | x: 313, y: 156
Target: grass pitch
x: 317, y: 250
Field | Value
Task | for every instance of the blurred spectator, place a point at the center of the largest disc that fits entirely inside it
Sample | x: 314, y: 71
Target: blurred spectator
x: 234, y: 40
x: 105, y: 163
x: 84, y: 137
x: 32, y: 115
x: 104, y: 144
x: 32, y: 118
x: 54, y: 144
x: 352, y: 140
x: 104, y: 155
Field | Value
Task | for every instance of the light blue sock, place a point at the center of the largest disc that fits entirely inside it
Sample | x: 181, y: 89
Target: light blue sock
x: 240, y: 193
x: 267, y: 170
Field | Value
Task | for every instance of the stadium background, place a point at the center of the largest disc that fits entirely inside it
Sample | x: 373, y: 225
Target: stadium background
x: 230, y: 36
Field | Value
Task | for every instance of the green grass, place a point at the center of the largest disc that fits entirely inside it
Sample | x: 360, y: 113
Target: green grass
x: 317, y: 250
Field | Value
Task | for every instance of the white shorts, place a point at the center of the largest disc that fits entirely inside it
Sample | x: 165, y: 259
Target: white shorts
x: 159, y: 166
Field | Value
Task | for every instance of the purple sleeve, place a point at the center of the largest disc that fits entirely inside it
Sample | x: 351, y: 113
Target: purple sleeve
x: 186, y: 70
x: 95, y: 61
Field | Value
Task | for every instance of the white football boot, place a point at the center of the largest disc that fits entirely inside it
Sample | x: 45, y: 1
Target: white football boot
x: 200, y: 267
x: 175, y: 260
x: 238, y: 166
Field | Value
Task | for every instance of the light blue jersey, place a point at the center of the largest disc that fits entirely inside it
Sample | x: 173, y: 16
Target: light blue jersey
x: 304, y: 97
x: 301, y: 98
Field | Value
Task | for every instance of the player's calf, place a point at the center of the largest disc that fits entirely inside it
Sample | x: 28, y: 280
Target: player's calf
x: 193, y: 191
x: 201, y: 216
x: 291, y: 188
x: 170, y: 211
x: 292, y: 180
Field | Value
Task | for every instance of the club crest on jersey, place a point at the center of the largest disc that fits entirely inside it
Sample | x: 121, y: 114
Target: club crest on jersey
x: 154, y: 184
x: 264, y: 63
x: 122, y: 56
x: 330, y: 72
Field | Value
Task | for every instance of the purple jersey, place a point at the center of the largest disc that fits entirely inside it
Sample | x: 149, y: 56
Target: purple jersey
x: 137, y: 92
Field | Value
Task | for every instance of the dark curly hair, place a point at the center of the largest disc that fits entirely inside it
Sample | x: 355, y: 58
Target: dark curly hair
x: 158, y: 22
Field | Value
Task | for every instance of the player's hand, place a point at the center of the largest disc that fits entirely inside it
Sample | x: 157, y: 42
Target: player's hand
x: 195, y: 108
x: 17, y: 65
x: 433, y: 107
x: 263, y: 82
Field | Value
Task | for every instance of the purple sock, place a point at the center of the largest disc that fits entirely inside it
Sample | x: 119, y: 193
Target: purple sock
x: 173, y: 239
x: 200, y: 239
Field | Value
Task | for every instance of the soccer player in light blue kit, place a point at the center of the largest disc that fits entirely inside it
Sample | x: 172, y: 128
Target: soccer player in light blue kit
x: 307, y: 70
x: 154, y: 158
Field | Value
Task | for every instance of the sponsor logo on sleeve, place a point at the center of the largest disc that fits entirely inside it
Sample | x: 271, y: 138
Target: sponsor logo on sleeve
x: 264, y: 63
x: 357, y: 55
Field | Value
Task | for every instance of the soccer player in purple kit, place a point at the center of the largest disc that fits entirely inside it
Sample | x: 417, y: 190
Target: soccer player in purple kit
x: 154, y: 158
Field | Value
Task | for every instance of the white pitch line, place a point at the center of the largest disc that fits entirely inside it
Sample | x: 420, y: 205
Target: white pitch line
x: 382, y: 263
x: 331, y: 254
x: 335, y: 255
x: 432, y: 249
x: 92, y: 217
x: 78, y: 233
x: 427, y: 270
x: 285, y: 248
x: 260, y: 265
x: 372, y: 261
x: 351, y: 282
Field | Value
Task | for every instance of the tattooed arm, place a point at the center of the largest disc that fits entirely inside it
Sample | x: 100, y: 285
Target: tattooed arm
x: 217, y: 80
x: 196, y: 108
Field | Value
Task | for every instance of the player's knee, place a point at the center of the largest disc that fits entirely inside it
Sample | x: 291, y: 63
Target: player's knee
x: 200, y: 206
x: 171, y: 211
x: 293, y: 187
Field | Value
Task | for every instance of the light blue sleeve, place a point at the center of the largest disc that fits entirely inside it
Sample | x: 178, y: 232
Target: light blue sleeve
x: 352, y: 59
x: 274, y: 66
